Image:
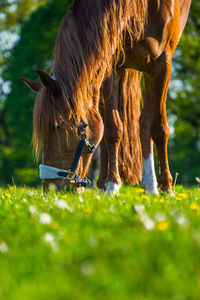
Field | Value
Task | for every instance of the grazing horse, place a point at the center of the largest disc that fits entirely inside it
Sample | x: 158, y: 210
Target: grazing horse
x: 151, y: 55
x: 92, y: 37
x: 67, y: 123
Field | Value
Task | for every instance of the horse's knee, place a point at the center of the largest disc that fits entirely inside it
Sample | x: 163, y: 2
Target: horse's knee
x: 160, y: 133
x: 113, y: 129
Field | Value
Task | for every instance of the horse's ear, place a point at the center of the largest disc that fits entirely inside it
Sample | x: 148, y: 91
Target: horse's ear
x: 47, y: 81
x: 33, y: 85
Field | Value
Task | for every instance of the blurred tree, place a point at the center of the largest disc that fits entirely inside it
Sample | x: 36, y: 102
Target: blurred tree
x: 184, y: 102
x: 33, y: 51
x: 14, y: 12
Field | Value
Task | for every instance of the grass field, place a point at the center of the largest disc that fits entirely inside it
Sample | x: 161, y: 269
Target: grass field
x: 93, y: 246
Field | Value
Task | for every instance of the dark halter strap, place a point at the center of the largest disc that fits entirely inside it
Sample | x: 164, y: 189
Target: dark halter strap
x: 48, y: 172
x: 71, y: 174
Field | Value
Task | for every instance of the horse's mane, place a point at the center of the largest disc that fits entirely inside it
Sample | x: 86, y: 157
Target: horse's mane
x: 89, y: 41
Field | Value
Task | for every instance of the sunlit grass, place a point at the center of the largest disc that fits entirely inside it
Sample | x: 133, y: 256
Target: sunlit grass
x: 93, y: 246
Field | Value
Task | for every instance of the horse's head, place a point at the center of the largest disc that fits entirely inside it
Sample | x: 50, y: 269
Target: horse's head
x: 61, y: 135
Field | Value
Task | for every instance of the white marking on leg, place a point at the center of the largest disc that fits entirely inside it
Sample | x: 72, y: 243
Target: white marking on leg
x: 113, y: 188
x: 149, y: 176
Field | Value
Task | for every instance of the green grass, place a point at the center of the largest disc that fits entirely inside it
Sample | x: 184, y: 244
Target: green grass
x: 93, y: 246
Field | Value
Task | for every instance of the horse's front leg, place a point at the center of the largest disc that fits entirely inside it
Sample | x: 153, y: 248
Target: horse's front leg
x: 148, y: 174
x: 159, y: 126
x: 103, y: 166
x: 113, y: 130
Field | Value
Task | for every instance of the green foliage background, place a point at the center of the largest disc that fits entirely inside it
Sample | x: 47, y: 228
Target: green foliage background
x: 33, y: 51
x: 38, y: 28
x: 184, y: 104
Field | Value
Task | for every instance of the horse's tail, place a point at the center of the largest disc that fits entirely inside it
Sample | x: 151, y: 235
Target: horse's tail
x: 130, y: 154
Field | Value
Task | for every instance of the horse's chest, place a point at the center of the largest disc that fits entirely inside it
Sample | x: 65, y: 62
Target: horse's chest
x: 142, y: 55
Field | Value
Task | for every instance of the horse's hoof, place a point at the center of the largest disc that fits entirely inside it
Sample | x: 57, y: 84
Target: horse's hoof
x: 101, y: 185
x: 151, y: 188
x: 168, y: 189
x: 113, y: 188
x: 153, y: 191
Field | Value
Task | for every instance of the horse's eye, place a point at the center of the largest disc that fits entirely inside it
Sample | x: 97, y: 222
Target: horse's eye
x: 58, y: 126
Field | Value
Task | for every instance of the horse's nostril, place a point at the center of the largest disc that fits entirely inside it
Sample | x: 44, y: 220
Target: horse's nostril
x: 62, y: 185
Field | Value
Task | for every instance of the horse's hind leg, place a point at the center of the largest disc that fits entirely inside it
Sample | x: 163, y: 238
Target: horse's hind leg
x: 159, y: 126
x: 112, y: 134
x: 148, y: 175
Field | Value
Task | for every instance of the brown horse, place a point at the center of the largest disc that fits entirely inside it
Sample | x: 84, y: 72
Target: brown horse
x: 82, y: 60
x: 152, y: 55
x: 89, y: 42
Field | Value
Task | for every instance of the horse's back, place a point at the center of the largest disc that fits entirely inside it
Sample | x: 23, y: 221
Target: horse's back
x: 184, y: 12
x: 167, y: 22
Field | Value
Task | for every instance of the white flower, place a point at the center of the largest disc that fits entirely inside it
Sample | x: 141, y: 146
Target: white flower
x: 182, y: 221
x: 30, y: 193
x: 4, y: 248
x: 62, y: 204
x: 160, y: 217
x: 45, y: 219
x: 140, y: 208
x: 32, y: 210
x: 81, y: 199
x: 98, y: 197
x: 148, y: 223
x: 48, y: 237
